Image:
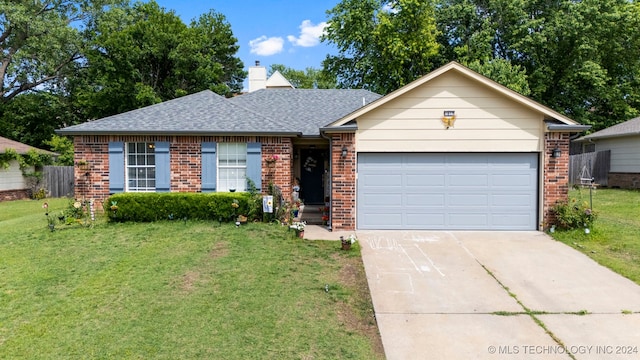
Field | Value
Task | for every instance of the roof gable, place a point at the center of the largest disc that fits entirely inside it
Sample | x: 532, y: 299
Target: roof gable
x: 277, y: 80
x: 470, y: 74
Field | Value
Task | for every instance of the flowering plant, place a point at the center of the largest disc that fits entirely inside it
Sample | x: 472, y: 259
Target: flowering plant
x: 350, y: 240
x: 298, y: 225
x: 272, y: 158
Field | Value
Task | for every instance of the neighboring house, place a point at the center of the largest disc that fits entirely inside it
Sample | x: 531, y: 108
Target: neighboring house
x: 451, y: 150
x: 623, y: 140
x: 13, y: 185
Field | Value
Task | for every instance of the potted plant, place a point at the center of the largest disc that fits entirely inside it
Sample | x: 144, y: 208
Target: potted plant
x: 346, y: 243
x: 271, y: 160
x: 298, y: 226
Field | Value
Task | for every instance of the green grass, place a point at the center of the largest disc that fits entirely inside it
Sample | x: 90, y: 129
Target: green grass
x: 176, y: 290
x: 613, y: 241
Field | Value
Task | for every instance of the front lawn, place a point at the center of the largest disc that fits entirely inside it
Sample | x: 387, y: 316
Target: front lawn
x: 614, y: 240
x: 177, y: 290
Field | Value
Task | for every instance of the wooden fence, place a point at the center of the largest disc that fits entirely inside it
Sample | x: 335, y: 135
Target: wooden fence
x: 58, y: 180
x: 590, y: 165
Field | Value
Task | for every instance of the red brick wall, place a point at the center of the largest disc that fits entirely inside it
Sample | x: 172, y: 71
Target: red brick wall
x: 556, y: 174
x: 343, y: 183
x: 9, y: 195
x: 624, y: 180
x: 186, y: 166
x: 281, y: 171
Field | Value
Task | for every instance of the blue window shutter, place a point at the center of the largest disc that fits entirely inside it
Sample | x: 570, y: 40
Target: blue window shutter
x: 254, y: 164
x: 209, y: 166
x: 163, y: 166
x: 116, y: 167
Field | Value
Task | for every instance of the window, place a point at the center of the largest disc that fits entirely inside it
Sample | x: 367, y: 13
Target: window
x: 141, y: 167
x: 232, y: 166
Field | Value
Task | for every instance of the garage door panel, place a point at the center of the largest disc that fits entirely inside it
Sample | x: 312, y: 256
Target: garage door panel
x: 468, y: 200
x: 425, y: 180
x: 524, y: 201
x: 464, y: 220
x: 385, y: 200
x: 426, y: 200
x: 465, y: 180
x: 447, y: 191
x: 383, y: 179
x: 508, y: 220
x: 511, y: 180
x: 416, y: 221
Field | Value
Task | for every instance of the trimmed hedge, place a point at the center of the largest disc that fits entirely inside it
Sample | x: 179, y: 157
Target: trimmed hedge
x: 146, y: 207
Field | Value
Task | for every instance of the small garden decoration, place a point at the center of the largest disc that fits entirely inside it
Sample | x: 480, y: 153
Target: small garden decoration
x: 299, y: 226
x: 346, y: 243
x: 51, y: 221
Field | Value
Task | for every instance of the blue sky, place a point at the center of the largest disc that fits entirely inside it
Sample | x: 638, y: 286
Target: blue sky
x: 271, y: 31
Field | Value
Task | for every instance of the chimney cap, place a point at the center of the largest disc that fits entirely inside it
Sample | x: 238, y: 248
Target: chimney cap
x: 257, y: 62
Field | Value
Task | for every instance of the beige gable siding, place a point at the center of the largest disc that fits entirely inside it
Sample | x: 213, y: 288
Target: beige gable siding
x: 486, y: 121
x: 11, y: 178
x: 625, y: 153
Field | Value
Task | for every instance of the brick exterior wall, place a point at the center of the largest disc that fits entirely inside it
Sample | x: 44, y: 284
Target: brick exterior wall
x: 624, y: 180
x: 343, y: 182
x: 92, y: 181
x: 9, y: 195
x: 556, y: 175
x: 280, y: 172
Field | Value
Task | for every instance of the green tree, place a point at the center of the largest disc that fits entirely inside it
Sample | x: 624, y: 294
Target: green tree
x: 581, y: 58
x: 64, y: 147
x: 143, y: 55
x: 310, y: 78
x: 382, y: 45
x: 41, y: 42
x: 32, y: 118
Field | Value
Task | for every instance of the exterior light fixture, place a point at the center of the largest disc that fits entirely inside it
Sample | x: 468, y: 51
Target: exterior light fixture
x: 448, y: 118
x: 344, y: 151
x: 556, y: 153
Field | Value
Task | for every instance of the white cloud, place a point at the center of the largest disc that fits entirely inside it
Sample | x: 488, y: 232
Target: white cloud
x: 309, y: 34
x: 264, y: 46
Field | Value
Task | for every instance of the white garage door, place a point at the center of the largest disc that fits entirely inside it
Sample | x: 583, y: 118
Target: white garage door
x: 447, y: 191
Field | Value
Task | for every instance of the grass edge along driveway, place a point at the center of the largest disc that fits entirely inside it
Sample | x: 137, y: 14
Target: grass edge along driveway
x: 613, y: 239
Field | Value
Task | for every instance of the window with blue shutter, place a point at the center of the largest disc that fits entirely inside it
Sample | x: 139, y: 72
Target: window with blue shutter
x: 209, y: 167
x: 116, y: 167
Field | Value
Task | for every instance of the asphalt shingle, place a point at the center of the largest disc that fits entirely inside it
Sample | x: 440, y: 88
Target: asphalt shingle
x: 270, y: 111
x: 629, y: 127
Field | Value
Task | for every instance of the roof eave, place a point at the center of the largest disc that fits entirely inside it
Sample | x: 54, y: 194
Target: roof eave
x: 339, y: 129
x: 567, y: 127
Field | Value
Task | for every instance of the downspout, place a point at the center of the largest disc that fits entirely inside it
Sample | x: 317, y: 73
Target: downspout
x: 322, y: 134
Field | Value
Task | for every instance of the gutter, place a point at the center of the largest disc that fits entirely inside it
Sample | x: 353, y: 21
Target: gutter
x: 568, y: 127
x: 173, y: 133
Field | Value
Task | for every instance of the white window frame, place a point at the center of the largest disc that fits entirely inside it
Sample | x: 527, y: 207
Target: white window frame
x: 232, y: 167
x: 141, y: 169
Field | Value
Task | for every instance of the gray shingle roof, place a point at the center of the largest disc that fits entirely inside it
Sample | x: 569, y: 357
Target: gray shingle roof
x: 270, y: 111
x: 629, y: 127
x: 201, y: 113
x: 305, y: 110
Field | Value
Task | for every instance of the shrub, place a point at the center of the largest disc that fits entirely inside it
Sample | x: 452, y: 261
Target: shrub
x: 146, y: 207
x: 573, y: 214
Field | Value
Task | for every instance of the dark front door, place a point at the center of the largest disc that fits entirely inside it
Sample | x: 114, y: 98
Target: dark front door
x: 311, y: 175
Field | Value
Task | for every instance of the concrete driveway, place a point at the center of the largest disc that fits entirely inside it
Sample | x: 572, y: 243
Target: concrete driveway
x: 496, y: 295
